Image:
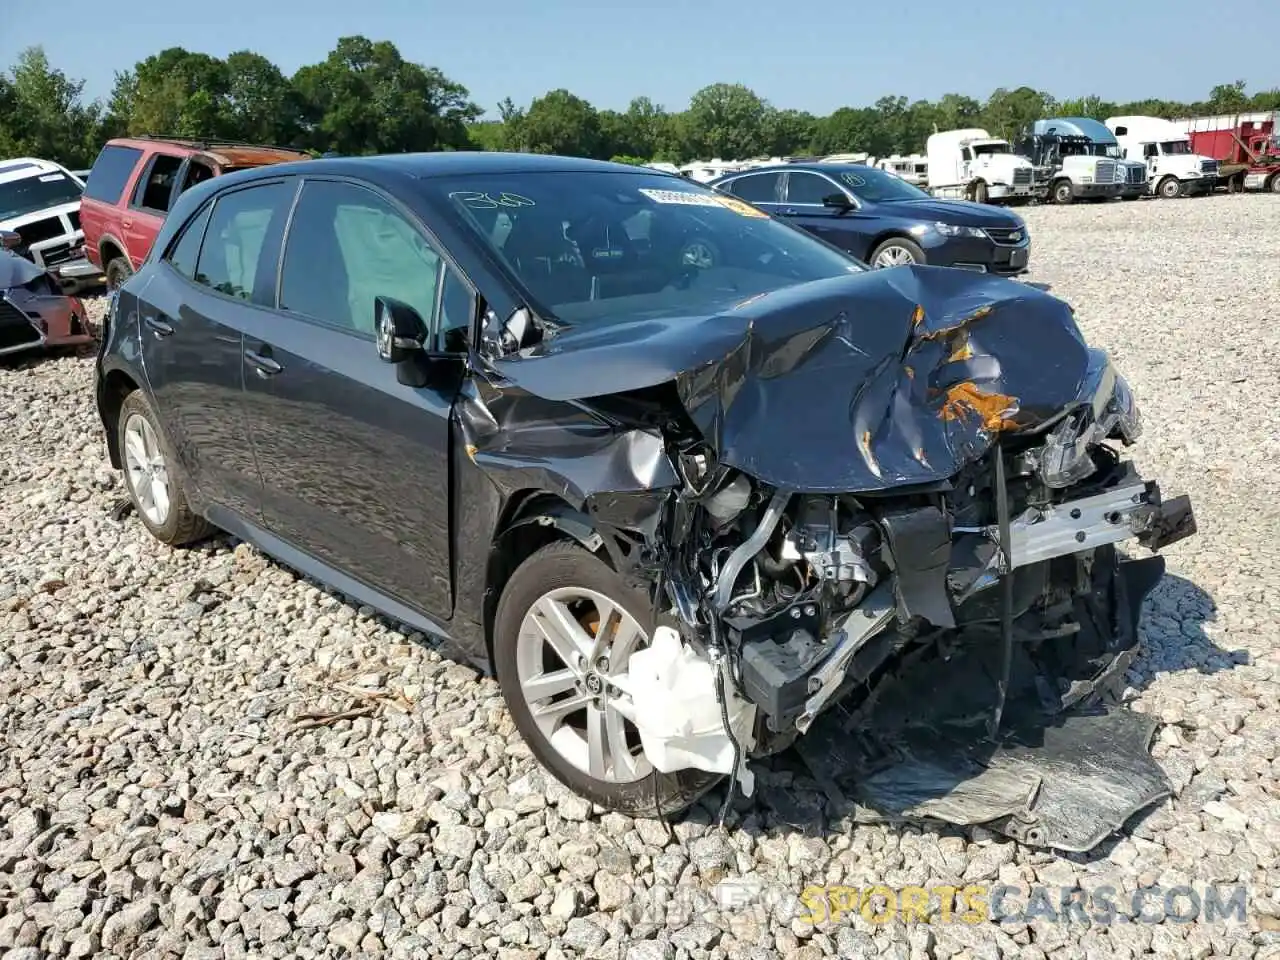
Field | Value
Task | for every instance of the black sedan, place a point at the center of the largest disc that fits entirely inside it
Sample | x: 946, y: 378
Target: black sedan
x: 672, y: 467
x: 883, y: 220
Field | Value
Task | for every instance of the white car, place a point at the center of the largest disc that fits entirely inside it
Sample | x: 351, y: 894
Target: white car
x: 40, y: 201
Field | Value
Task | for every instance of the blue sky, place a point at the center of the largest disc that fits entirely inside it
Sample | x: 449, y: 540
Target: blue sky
x: 808, y: 56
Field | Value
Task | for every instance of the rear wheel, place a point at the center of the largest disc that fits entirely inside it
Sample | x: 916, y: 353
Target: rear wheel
x: 896, y: 252
x: 566, y: 626
x: 152, y: 477
x: 1170, y: 188
x: 118, y: 271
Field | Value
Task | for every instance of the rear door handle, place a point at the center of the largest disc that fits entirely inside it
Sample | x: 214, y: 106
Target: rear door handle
x: 265, y: 365
x: 158, y: 326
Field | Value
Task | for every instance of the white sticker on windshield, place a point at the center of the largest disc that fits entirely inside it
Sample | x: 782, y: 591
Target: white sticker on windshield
x: 50, y: 177
x: 680, y: 196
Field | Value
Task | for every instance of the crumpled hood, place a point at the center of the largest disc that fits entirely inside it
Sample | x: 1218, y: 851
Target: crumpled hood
x: 16, y: 270
x: 876, y: 380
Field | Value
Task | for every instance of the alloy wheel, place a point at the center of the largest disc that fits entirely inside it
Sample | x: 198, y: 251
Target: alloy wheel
x: 146, y: 470
x: 573, y: 643
x: 894, y: 256
x: 698, y: 253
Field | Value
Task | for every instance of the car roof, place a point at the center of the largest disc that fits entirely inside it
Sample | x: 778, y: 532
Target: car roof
x: 815, y: 166
x: 224, y: 153
x: 19, y: 168
x: 424, y: 166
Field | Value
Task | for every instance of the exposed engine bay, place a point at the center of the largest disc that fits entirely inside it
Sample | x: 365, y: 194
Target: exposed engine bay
x: 1005, y: 581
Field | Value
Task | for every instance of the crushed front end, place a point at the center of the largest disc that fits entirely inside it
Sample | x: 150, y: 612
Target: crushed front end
x: 890, y: 520
x: 971, y: 608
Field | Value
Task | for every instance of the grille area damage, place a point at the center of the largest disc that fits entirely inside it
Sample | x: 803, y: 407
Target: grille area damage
x: 881, y: 516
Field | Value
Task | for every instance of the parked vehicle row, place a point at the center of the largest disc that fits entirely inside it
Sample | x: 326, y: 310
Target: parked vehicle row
x: 681, y: 473
x: 1064, y: 159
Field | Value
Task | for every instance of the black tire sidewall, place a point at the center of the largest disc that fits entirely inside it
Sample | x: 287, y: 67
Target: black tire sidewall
x: 118, y: 271
x: 1274, y: 184
x: 1060, y: 195
x: 911, y: 248
x: 566, y: 564
x: 1164, y: 184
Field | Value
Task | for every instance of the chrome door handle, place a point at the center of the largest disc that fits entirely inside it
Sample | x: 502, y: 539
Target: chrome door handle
x: 265, y: 365
x: 158, y: 326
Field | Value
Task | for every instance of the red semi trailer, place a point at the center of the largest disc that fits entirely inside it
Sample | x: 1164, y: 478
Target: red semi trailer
x: 1246, y: 146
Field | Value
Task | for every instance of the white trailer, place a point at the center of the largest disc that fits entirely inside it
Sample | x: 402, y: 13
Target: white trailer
x: 971, y: 164
x: 1173, y: 169
x: 913, y: 168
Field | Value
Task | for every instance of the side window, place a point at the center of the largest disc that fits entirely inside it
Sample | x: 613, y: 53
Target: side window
x: 809, y: 188
x: 757, y: 188
x: 197, y: 172
x: 155, y: 186
x: 1150, y: 150
x: 232, y: 250
x: 346, y: 247
x: 457, y: 310
x: 111, y: 172
x: 185, y: 251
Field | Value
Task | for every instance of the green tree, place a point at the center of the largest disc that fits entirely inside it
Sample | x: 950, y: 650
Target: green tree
x: 42, y: 113
x: 174, y: 92
x: 563, y: 124
x: 261, y: 105
x: 365, y: 98
x: 726, y: 120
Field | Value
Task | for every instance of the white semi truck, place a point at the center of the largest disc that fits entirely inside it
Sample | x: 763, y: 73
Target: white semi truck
x: 971, y: 164
x: 1173, y: 168
x: 1068, y: 163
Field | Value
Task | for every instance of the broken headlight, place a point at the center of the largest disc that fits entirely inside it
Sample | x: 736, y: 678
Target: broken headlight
x: 1065, y: 459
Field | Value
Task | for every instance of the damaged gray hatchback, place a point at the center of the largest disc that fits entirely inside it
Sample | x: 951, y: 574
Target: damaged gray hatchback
x: 699, y: 486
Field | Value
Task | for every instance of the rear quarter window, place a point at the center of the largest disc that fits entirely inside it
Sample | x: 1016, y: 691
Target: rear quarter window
x: 110, y: 173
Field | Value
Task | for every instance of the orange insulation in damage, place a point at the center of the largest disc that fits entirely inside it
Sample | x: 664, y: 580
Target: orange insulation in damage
x: 995, y: 409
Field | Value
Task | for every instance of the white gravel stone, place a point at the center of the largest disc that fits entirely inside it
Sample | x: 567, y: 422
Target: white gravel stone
x: 159, y: 799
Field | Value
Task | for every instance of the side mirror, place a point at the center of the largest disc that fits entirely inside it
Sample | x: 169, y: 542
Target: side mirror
x: 837, y: 201
x: 10, y: 240
x: 401, y: 331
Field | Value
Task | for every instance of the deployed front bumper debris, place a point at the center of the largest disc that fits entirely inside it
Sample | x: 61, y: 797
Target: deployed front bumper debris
x: 1069, y: 768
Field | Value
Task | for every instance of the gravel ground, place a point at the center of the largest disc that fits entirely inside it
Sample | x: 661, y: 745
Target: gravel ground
x: 207, y: 756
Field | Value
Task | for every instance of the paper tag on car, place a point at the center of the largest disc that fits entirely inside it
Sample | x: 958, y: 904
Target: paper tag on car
x: 682, y: 197
x: 738, y: 207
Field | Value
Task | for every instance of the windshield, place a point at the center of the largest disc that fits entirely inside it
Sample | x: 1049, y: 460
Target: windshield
x: 595, y: 247
x: 19, y: 197
x: 982, y: 149
x: 1175, y: 147
x: 1111, y: 150
x: 877, y: 186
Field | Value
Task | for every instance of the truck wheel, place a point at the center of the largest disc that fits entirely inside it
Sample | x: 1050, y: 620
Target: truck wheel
x: 118, y: 271
x: 1062, y: 192
x: 896, y: 252
x: 547, y: 621
x: 1274, y: 184
x: 1170, y: 188
x: 980, y: 192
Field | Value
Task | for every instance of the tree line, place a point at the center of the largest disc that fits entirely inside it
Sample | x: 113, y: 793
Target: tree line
x: 364, y: 97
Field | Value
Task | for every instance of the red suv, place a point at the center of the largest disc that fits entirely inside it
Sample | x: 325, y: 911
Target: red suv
x: 134, y: 182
